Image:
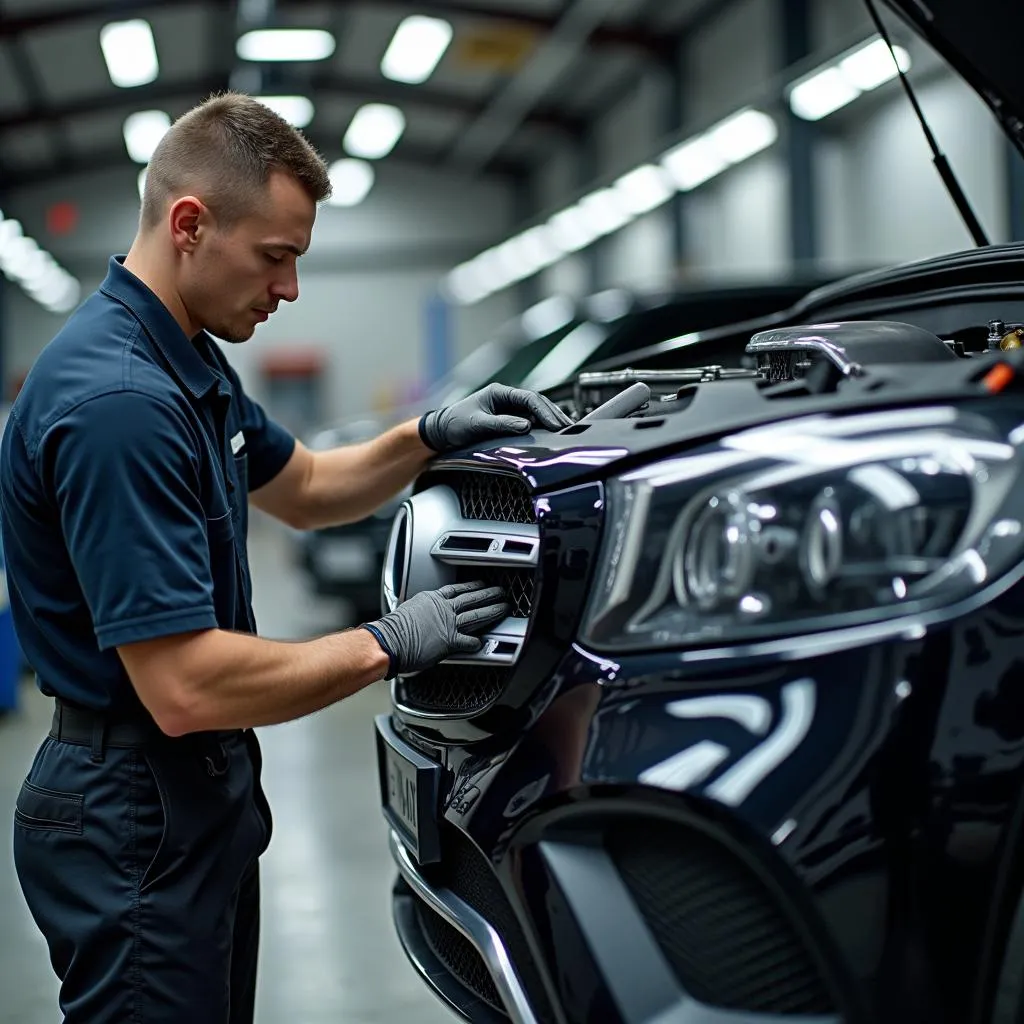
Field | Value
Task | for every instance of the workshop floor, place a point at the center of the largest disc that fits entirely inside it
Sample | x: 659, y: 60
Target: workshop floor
x: 328, y: 953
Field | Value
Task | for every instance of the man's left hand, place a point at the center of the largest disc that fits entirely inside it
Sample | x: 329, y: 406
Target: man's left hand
x: 496, y: 411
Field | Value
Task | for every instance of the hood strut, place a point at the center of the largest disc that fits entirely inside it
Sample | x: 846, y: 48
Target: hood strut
x: 942, y: 165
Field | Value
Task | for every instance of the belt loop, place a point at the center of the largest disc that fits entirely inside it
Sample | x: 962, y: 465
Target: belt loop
x: 99, y: 735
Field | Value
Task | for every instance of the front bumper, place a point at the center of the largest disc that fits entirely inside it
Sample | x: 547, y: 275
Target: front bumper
x: 871, y: 790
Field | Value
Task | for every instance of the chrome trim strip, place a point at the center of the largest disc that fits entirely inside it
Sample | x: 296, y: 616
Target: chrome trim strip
x: 461, y: 916
x: 497, y: 537
x: 785, y: 340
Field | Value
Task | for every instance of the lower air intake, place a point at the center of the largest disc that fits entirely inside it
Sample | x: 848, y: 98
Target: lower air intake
x: 453, y: 689
x: 458, y: 955
x: 720, y: 929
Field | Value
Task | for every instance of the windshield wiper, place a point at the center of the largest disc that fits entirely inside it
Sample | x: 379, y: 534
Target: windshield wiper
x: 956, y: 193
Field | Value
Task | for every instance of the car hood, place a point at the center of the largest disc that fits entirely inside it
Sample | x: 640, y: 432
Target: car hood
x: 981, y: 40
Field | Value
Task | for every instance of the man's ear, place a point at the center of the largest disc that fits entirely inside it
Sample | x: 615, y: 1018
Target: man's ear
x: 186, y: 219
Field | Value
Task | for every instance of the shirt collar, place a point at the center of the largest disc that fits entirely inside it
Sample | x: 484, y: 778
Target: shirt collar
x: 179, y: 350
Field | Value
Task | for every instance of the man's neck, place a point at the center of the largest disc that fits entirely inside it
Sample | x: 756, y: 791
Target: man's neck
x: 151, y: 270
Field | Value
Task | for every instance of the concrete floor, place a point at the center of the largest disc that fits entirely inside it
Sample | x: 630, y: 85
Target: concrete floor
x: 328, y: 952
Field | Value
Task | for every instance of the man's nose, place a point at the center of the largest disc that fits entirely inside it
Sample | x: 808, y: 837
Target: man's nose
x: 286, y: 288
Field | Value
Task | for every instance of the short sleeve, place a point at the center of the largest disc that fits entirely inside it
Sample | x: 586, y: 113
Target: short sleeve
x: 267, y: 443
x: 125, y: 474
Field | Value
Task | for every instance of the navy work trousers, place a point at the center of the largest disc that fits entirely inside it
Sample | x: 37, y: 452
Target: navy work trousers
x: 140, y: 867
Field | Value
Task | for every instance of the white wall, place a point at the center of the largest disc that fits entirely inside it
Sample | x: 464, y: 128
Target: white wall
x: 364, y: 284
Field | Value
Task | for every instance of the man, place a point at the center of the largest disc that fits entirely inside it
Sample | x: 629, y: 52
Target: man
x: 124, y: 477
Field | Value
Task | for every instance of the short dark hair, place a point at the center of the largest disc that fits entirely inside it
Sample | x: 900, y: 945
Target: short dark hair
x: 225, y: 150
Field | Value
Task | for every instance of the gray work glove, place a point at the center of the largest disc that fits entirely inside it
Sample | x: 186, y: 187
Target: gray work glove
x: 496, y: 411
x: 436, y: 624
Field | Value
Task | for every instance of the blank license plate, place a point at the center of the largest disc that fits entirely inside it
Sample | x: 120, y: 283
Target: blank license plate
x: 408, y: 784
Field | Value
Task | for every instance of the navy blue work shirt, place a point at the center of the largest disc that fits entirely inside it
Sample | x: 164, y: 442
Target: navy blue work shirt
x: 124, y: 473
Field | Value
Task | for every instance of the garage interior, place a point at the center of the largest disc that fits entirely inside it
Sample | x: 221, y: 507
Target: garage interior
x: 513, y: 160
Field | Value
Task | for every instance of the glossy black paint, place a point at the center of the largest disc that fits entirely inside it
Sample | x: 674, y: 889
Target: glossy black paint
x: 896, y: 812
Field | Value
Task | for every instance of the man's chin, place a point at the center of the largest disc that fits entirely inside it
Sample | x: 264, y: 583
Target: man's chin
x: 232, y: 336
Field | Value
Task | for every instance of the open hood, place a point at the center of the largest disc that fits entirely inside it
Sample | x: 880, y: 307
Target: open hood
x: 982, y: 40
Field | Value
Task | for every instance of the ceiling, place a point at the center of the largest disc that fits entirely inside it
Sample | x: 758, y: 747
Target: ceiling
x: 518, y: 77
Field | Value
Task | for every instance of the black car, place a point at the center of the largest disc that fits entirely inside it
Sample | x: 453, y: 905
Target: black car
x: 555, y: 338
x: 750, y: 748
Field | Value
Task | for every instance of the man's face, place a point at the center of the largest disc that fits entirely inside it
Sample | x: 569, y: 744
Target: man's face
x: 237, y: 276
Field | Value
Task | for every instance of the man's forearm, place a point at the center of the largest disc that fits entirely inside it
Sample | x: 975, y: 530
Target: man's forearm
x: 349, y: 483
x: 227, y: 680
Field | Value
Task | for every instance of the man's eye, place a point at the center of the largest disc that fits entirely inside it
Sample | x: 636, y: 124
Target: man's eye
x: 274, y: 259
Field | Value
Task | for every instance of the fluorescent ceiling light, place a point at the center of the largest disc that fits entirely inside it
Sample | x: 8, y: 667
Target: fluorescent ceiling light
x: 280, y: 44
x: 22, y: 261
x: 465, y: 284
x: 418, y: 45
x: 570, y: 230
x: 374, y: 131
x: 742, y: 135
x: 643, y: 189
x: 296, y: 110
x: 143, y: 132
x: 821, y: 94
x: 129, y: 52
x: 351, y: 181
x: 830, y: 88
x: 604, y: 211
x: 872, y: 65
x: 497, y: 267
x: 693, y: 163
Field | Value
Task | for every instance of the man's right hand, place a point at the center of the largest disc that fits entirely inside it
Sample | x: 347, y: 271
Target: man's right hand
x: 437, y: 624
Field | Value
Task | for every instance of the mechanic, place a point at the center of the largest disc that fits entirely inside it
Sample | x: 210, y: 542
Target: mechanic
x: 125, y: 472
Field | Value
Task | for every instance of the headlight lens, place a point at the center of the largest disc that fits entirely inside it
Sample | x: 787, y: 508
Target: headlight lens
x: 812, y: 524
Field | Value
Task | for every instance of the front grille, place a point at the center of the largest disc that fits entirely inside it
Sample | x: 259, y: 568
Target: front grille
x: 494, y: 497
x: 468, y: 689
x: 516, y: 583
x: 466, y: 872
x: 454, y: 689
x: 721, y: 930
x: 777, y: 366
x: 458, y: 954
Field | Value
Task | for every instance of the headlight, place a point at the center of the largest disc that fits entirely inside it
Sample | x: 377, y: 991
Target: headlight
x: 807, y: 525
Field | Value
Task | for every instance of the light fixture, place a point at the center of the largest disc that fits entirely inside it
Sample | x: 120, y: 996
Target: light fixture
x: 285, y: 44
x: 296, y: 110
x: 129, y: 52
x: 840, y: 82
x: 547, y: 316
x: 643, y: 189
x: 143, y: 131
x: 872, y: 65
x: 743, y: 135
x: 693, y: 163
x: 35, y: 270
x: 351, y: 181
x: 603, y: 211
x: 571, y: 230
x: 416, y: 48
x: 465, y: 284
x: 822, y: 94
x: 374, y: 131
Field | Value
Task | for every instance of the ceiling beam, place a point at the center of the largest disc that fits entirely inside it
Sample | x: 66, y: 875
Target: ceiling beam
x: 607, y: 35
x: 326, y: 82
x: 115, y: 158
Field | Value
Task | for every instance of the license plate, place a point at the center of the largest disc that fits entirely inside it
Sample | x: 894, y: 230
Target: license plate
x: 409, y: 787
x: 346, y: 559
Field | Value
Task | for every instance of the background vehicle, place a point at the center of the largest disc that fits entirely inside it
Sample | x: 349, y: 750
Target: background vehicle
x: 749, y: 747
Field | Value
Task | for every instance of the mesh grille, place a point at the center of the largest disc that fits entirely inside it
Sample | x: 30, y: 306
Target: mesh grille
x: 466, y: 872
x: 517, y: 584
x: 729, y: 943
x: 457, y: 953
x: 495, y: 497
x: 778, y: 365
x: 457, y: 689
